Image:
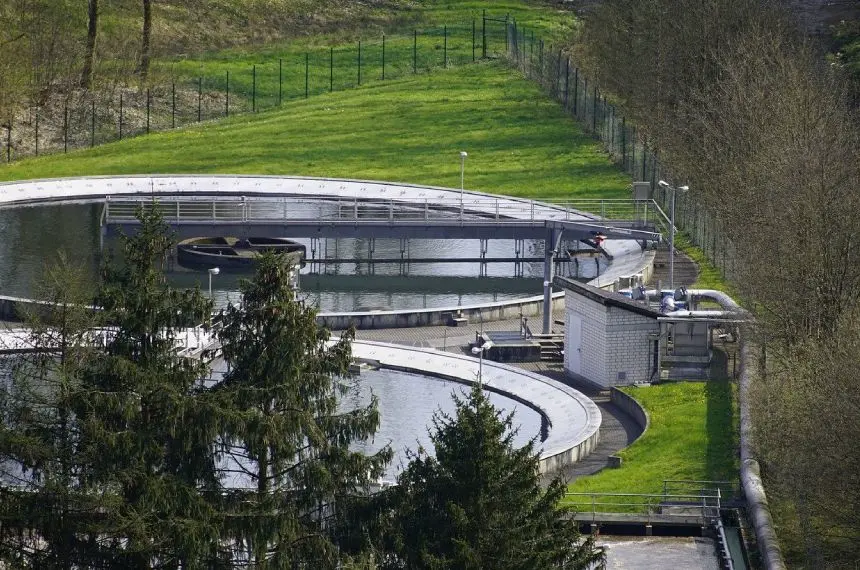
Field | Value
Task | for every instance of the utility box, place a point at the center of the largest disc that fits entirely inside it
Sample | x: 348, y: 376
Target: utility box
x: 610, y: 340
x: 641, y: 190
x: 691, y: 338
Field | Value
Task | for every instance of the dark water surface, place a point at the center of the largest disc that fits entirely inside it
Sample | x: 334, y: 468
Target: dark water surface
x: 31, y: 237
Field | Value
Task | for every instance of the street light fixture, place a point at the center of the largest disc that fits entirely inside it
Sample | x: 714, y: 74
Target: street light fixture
x: 665, y: 185
x: 479, y: 350
x: 212, y: 271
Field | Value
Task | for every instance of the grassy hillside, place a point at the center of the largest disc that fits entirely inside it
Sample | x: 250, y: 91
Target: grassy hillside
x: 411, y: 130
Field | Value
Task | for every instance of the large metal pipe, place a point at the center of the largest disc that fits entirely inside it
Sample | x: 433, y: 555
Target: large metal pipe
x: 757, y: 505
x: 753, y: 488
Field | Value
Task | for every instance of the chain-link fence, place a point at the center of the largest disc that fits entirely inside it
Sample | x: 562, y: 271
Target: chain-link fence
x: 583, y: 99
x: 85, y: 118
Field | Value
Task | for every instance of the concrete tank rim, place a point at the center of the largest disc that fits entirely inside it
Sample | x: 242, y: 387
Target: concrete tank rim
x: 550, y: 406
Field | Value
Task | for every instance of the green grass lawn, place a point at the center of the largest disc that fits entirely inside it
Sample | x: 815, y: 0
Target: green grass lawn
x: 410, y: 130
x: 693, y: 436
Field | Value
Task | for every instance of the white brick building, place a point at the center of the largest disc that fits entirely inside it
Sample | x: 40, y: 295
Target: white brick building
x: 610, y: 340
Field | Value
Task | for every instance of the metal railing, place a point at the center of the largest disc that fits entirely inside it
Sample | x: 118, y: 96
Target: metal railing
x: 726, y: 489
x: 469, y: 208
x: 649, y: 506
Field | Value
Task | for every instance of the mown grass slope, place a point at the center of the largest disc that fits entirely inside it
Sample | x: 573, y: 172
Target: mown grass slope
x: 693, y: 436
x: 411, y: 130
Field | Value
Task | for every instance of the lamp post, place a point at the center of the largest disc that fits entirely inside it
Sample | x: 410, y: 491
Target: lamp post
x: 212, y: 271
x: 479, y: 350
x: 672, y: 190
x: 463, y: 155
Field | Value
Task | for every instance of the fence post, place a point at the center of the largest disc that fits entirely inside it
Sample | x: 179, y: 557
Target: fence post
x: 445, y: 46
x: 65, y: 126
x: 623, y: 143
x: 227, y: 104
x: 414, y: 51
x: 173, y: 105
x: 147, y: 110
x: 558, y: 73
x: 632, y: 150
x: 93, y: 125
x: 280, y: 81
x: 473, y: 40
x: 540, y: 61
x: 612, y: 127
x: 37, y: 132
x: 594, y: 111
x: 585, y: 100
x: 532, y: 52
x: 307, y: 74
x: 254, y: 88
x: 575, y: 91
x: 359, y: 62
x: 120, y: 116
x: 644, y: 158
x: 9, y: 141
x: 199, y: 99
x: 331, y: 69
x: 383, y: 57
x: 524, y: 48
x: 566, y: 82
x: 484, y: 34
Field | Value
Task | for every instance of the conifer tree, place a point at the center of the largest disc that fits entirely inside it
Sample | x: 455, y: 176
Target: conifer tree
x: 287, y: 437
x: 48, y: 508
x: 479, y: 504
x: 148, y: 421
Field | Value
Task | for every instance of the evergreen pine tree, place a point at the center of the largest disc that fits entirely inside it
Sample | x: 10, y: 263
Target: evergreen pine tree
x: 287, y: 437
x: 148, y: 422
x: 48, y: 509
x: 479, y: 504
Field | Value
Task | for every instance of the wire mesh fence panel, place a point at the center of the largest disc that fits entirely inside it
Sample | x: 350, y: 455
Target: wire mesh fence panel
x: 562, y: 80
x: 186, y: 91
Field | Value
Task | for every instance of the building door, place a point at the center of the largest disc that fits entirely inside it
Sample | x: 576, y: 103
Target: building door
x: 573, y: 343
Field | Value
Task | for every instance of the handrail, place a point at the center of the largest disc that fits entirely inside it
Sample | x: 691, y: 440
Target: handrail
x: 702, y: 485
x: 473, y: 208
x: 708, y: 506
x: 725, y: 554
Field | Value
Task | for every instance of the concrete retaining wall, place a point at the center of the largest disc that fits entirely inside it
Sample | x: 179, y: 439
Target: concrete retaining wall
x: 553, y: 463
x: 631, y: 407
x: 12, y: 309
x: 528, y: 307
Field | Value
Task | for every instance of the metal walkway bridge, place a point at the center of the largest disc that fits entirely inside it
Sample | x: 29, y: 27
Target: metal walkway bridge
x: 473, y: 217
x: 448, y: 215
